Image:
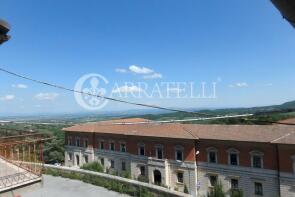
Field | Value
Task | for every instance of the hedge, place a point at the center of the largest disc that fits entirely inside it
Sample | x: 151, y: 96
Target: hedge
x: 113, y: 185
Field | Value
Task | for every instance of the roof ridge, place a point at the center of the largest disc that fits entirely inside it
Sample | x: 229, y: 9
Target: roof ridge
x: 282, y: 137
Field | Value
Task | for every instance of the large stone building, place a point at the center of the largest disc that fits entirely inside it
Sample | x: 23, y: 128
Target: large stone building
x: 259, y: 160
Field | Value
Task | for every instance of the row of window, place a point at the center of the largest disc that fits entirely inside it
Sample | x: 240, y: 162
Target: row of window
x: 112, y: 162
x: 179, y: 174
x: 78, y: 142
x: 233, y: 157
x: 234, y: 184
x: 159, y: 150
x: 101, y: 145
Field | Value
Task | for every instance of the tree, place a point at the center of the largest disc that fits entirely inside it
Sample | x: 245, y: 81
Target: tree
x: 54, y: 151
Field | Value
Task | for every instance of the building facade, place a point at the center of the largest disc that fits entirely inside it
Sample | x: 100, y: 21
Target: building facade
x: 168, y: 162
x: 258, y: 160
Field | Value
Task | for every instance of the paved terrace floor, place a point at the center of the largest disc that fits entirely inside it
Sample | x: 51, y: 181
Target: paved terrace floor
x: 12, y: 176
x: 61, y: 187
x: 7, y: 169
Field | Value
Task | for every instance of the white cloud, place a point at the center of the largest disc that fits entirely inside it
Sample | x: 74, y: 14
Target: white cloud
x: 7, y: 97
x: 20, y: 86
x: 268, y: 84
x: 127, y: 89
x: 121, y: 70
x: 242, y: 84
x: 153, y: 76
x: 140, y: 70
x: 147, y: 73
x: 46, y: 96
x: 239, y: 85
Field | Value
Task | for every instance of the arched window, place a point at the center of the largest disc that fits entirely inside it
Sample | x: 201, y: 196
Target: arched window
x: 141, y: 149
x: 179, y: 153
x: 159, y: 151
x: 233, y: 157
x: 123, y: 147
x: 112, y: 145
x: 256, y: 159
x: 212, y: 155
x: 69, y: 140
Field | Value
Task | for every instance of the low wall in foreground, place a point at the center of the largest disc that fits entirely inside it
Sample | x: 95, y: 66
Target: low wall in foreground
x: 154, y: 189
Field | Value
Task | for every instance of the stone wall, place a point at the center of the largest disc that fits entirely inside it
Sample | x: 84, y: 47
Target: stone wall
x: 154, y: 188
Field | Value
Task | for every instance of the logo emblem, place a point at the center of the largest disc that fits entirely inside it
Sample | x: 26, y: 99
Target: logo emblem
x: 91, y: 84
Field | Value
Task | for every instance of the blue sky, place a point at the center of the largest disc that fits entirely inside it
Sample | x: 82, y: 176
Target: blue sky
x: 244, y: 46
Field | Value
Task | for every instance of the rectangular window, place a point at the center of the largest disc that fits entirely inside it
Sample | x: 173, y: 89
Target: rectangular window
x: 233, y: 159
x: 257, y: 161
x: 123, y: 147
x: 112, y: 146
x: 69, y: 141
x: 86, y: 158
x: 77, y: 160
x: 212, y: 157
x: 258, y: 189
x: 86, y: 143
x: 70, y: 156
x: 180, y: 177
x: 102, y: 145
x: 212, y: 180
x: 179, y: 155
x: 234, y: 183
x: 123, y: 165
x: 159, y: 152
x: 112, y: 164
x: 141, y: 151
x: 142, y: 170
x: 102, y: 161
x: 78, y: 142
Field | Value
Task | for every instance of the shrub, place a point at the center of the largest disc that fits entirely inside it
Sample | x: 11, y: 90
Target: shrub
x: 236, y: 193
x: 142, y: 178
x: 185, y: 190
x: 125, y: 174
x: 217, y: 191
x: 103, y: 182
x: 93, y: 166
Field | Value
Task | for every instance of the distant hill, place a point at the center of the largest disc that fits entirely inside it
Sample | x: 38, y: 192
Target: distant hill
x: 288, y: 105
x: 262, y: 115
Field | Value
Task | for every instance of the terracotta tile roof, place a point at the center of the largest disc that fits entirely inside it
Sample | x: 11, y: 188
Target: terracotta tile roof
x: 288, y: 138
x: 288, y: 121
x: 148, y: 130
x: 249, y: 133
